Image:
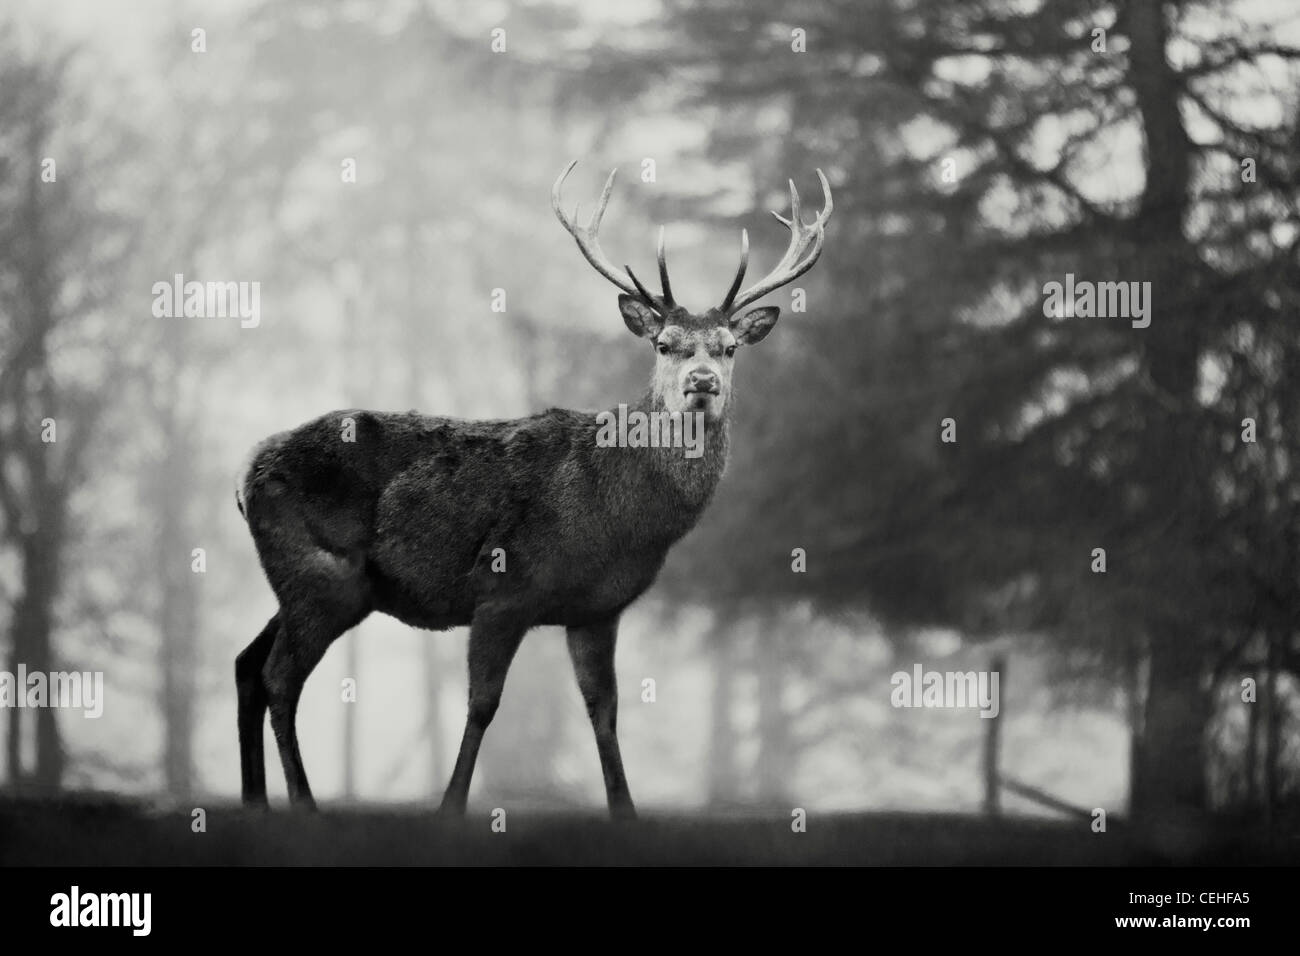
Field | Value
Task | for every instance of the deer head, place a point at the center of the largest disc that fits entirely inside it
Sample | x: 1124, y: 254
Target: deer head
x: 695, y: 351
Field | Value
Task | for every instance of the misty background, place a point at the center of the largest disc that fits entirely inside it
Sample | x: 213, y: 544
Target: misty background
x: 1168, y: 156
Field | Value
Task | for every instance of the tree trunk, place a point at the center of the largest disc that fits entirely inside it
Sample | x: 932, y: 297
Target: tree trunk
x: 14, y: 727
x: 432, y: 714
x: 1171, y: 768
x: 1170, y: 773
x: 33, y: 640
x: 177, y: 606
x: 773, y: 728
x: 350, y: 717
x: 722, y: 733
x: 1135, y: 676
x: 1272, y: 725
x: 1252, y: 750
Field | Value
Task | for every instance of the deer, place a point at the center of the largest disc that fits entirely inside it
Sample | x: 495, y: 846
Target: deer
x: 498, y: 525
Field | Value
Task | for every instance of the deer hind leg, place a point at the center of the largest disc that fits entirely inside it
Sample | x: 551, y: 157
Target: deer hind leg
x: 252, y: 712
x: 493, y: 640
x: 294, y: 656
x: 591, y: 648
x: 326, y: 598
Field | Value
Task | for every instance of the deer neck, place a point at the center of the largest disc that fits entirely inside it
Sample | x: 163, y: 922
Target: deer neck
x: 682, y: 483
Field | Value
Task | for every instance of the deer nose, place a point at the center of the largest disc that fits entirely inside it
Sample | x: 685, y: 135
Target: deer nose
x: 703, y: 380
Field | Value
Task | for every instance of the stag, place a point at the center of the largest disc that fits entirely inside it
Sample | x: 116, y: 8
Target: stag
x: 411, y: 517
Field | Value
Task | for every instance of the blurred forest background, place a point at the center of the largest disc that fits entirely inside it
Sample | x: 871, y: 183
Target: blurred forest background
x: 1170, y: 155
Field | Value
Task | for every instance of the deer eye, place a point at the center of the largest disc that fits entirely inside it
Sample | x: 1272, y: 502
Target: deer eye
x: 661, y: 348
x: 731, y: 350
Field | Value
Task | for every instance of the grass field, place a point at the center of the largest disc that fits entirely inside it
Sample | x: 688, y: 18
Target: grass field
x: 89, y: 831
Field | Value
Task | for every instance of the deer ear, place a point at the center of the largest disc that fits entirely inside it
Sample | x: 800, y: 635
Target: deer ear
x: 753, y: 326
x: 640, y: 318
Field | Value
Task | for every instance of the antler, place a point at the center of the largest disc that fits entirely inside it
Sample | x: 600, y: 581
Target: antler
x: 789, y: 268
x: 589, y: 245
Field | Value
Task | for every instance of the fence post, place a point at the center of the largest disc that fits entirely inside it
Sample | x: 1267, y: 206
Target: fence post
x: 992, y: 730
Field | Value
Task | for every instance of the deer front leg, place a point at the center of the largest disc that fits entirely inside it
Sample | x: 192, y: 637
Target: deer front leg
x: 592, y: 649
x: 493, y: 640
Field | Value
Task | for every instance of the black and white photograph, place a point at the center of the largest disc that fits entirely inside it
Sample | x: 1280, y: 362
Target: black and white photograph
x: 791, y: 435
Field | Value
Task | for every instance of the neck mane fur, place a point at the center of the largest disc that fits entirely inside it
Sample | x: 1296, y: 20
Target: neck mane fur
x: 695, y: 479
x: 667, y: 490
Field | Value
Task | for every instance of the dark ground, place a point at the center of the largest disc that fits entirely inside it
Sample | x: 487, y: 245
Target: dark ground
x: 88, y: 831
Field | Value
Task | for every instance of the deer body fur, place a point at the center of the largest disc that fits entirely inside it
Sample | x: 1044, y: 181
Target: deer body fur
x: 498, y: 525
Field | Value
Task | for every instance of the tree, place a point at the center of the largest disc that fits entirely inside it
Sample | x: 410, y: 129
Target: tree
x: 978, y: 152
x: 61, y: 251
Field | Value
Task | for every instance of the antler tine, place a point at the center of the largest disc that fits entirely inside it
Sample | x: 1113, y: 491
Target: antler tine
x: 663, y: 273
x: 556, y: 187
x: 828, y: 205
x: 645, y: 293
x: 740, y: 273
x: 585, y: 236
x: 789, y: 267
x: 599, y: 214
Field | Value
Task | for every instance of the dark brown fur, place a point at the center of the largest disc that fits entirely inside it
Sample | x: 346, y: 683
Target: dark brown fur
x: 413, y: 517
x: 406, y: 519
